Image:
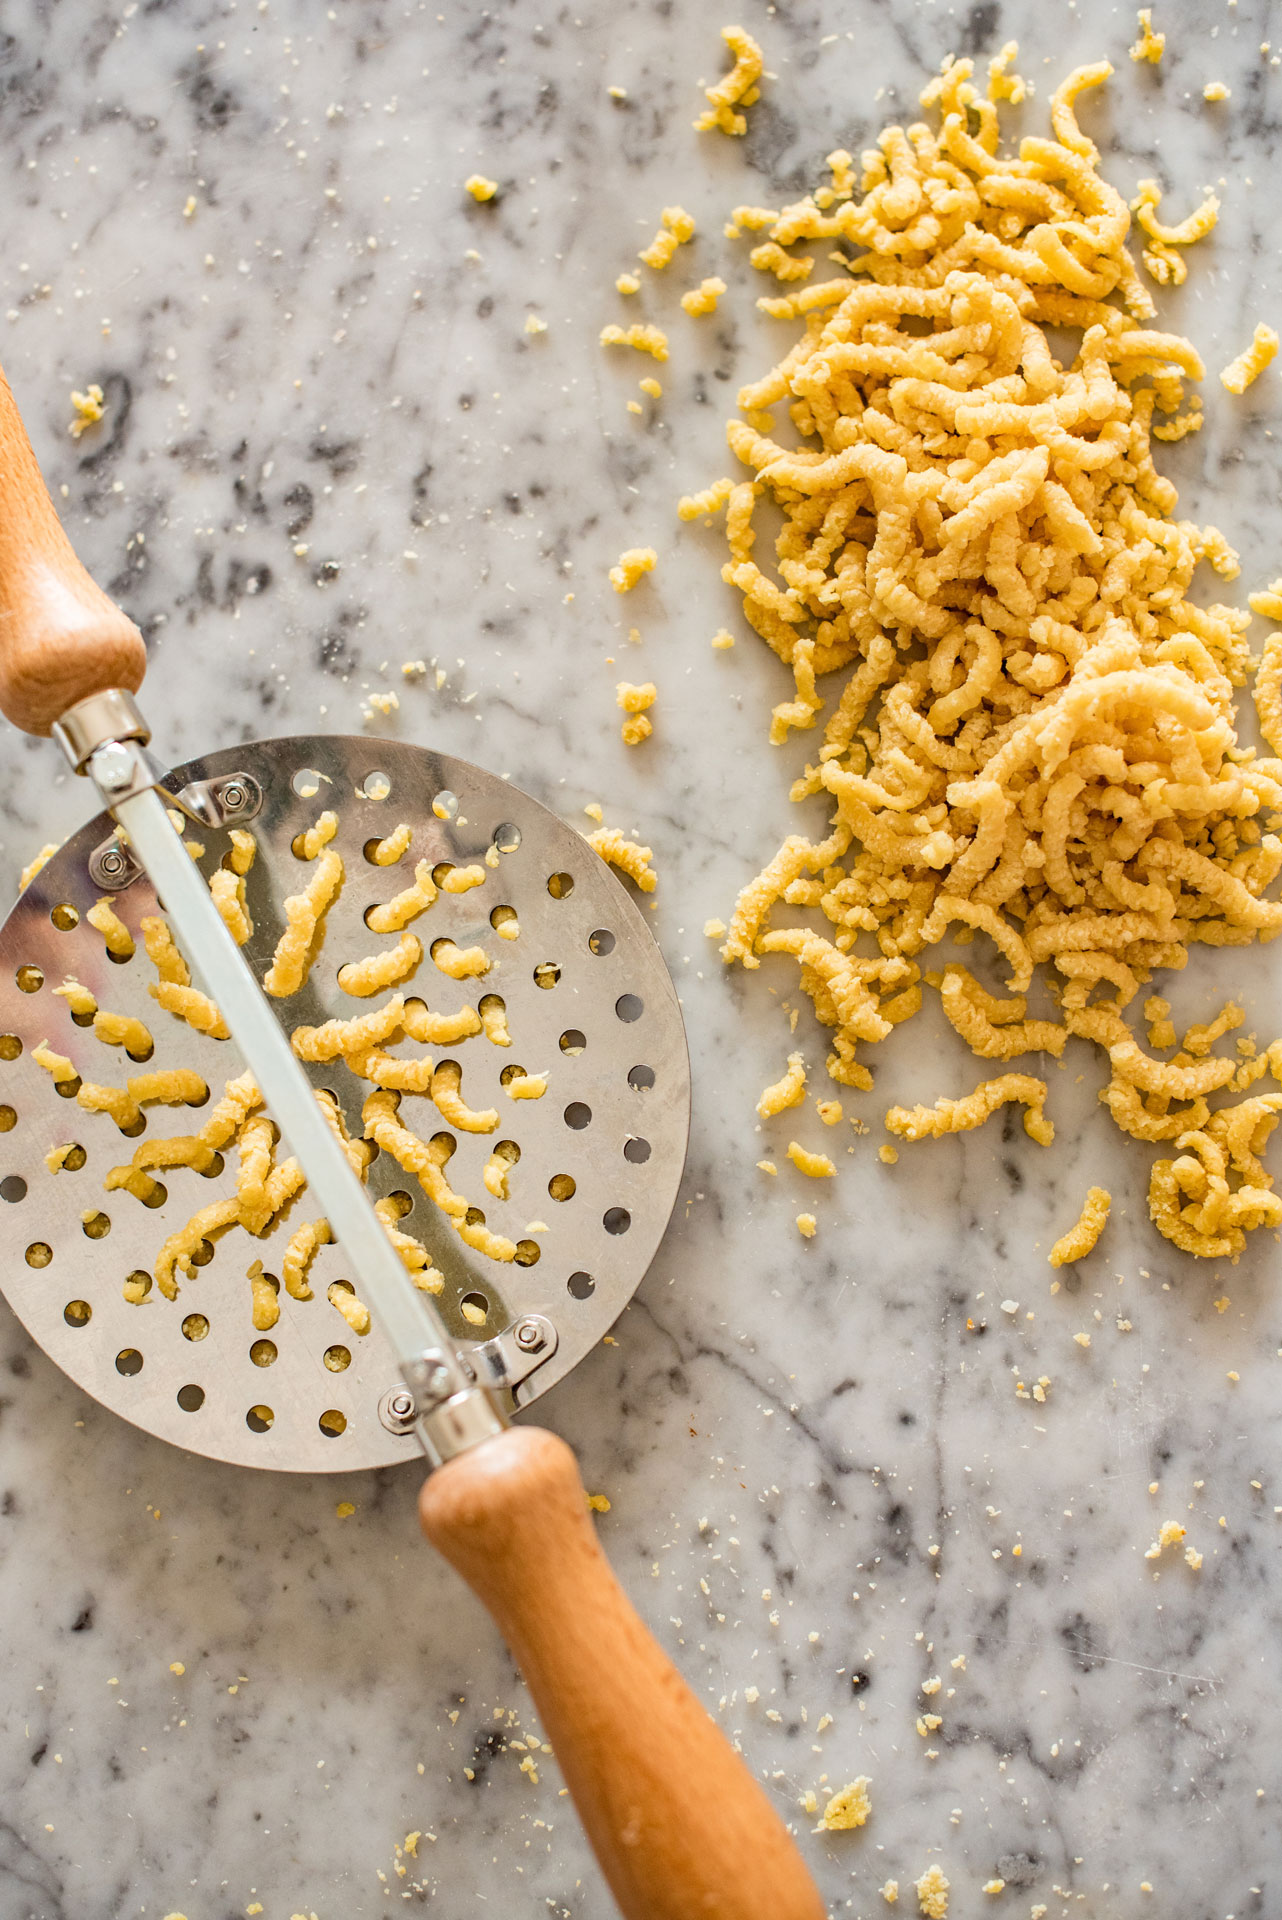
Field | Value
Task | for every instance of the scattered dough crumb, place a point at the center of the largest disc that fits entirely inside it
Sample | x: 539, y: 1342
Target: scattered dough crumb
x: 722, y: 639
x: 90, y: 407
x: 1170, y: 1534
x: 888, y: 1155
x: 703, y: 298
x: 634, y: 700
x: 677, y: 227
x: 646, y: 339
x: 479, y: 187
x: 628, y: 283
x: 630, y: 567
x: 806, y: 1225
x: 598, y: 1503
x: 1150, y: 45
x: 932, y: 1893
x: 384, y: 703
x: 1213, y: 90
x: 848, y: 1808
x: 817, y: 1165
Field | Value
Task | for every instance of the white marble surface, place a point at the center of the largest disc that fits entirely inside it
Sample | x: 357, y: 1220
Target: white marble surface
x: 330, y: 353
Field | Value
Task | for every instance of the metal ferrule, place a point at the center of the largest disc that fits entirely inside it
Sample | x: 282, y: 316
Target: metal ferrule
x: 463, y: 1421
x: 92, y: 723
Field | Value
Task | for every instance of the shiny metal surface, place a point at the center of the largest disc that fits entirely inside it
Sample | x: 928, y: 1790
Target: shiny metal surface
x: 632, y: 1075
x: 113, y: 715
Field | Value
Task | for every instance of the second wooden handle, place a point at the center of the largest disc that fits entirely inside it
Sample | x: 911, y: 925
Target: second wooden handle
x: 61, y: 638
x: 682, y: 1830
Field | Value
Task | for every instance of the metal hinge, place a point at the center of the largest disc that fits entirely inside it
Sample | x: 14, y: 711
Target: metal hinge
x: 500, y: 1363
x: 222, y: 802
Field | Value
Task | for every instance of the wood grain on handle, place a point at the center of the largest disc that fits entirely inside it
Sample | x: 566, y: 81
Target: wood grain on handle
x: 61, y: 638
x: 682, y: 1830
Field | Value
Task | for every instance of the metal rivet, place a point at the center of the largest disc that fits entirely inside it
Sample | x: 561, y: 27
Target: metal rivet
x: 396, y: 1410
x: 529, y: 1336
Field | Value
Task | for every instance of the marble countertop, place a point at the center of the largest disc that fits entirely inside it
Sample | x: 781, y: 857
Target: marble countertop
x: 331, y: 445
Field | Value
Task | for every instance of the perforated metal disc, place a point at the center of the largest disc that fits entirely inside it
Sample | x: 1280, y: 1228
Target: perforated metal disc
x: 588, y: 1001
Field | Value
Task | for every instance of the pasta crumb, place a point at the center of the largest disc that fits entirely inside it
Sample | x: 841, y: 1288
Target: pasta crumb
x: 817, y: 1165
x: 634, y: 700
x: 630, y: 567
x: 932, y: 1893
x: 677, y: 226
x: 646, y: 339
x: 849, y: 1807
x: 806, y: 1225
x: 479, y: 187
x: 1150, y: 45
x: 90, y: 407
x: 703, y: 298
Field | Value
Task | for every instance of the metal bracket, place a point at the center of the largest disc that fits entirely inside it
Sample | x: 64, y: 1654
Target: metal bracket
x: 514, y: 1354
x: 497, y: 1364
x: 223, y: 802
x: 112, y: 866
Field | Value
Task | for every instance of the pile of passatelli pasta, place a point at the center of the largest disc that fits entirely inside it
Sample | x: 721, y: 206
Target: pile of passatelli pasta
x: 1035, y: 737
x: 266, y: 1185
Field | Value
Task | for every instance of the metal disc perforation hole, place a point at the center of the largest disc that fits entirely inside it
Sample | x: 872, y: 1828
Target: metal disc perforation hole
x: 576, y: 946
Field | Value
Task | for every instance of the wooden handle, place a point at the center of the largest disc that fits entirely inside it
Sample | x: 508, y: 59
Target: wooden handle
x: 61, y: 638
x: 680, y: 1827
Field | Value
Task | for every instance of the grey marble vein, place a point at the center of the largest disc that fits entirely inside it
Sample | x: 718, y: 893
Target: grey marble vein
x: 330, y: 446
